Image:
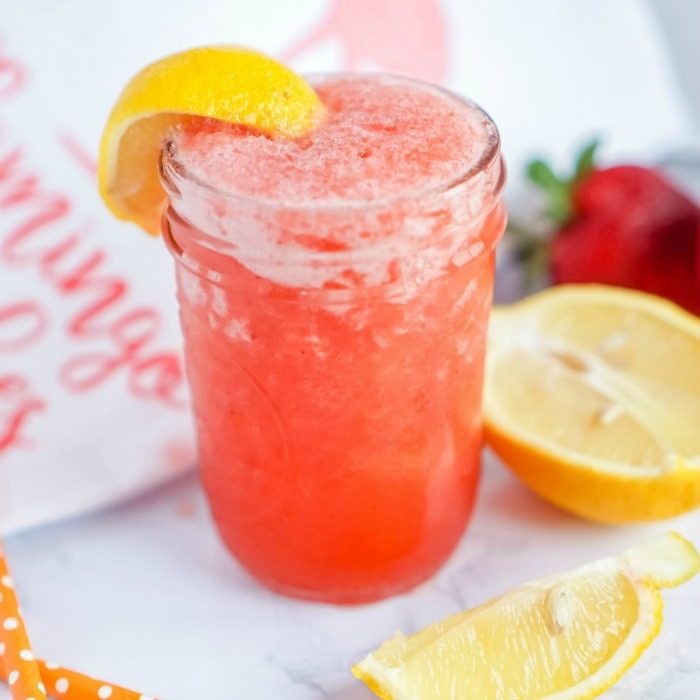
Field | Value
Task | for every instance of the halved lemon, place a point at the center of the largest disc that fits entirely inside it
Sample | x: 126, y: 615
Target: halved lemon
x: 592, y: 398
x: 227, y: 83
x: 565, y: 637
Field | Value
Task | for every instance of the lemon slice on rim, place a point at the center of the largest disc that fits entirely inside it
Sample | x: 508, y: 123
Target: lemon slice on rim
x: 564, y: 637
x: 227, y: 83
x: 592, y: 398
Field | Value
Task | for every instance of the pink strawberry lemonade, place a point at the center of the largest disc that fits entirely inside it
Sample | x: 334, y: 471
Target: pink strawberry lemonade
x: 334, y: 294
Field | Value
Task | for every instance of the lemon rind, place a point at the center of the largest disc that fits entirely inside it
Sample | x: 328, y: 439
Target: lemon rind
x: 663, y: 562
x: 150, y: 93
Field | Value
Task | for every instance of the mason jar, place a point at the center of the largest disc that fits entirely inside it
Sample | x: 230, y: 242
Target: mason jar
x: 335, y: 356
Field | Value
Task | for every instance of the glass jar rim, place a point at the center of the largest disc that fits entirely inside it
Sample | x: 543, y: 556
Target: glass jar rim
x: 172, y: 170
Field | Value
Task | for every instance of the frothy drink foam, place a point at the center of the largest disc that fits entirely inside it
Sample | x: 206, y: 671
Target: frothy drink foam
x: 381, y: 186
x: 380, y: 138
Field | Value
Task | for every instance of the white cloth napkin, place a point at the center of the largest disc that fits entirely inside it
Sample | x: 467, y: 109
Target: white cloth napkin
x: 93, y: 402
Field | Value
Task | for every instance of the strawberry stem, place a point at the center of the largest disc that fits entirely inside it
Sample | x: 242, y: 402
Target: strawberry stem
x: 559, y: 190
x: 531, y: 249
x: 586, y: 161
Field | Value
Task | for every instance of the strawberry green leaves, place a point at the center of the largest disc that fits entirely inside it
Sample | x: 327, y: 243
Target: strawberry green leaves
x: 559, y: 190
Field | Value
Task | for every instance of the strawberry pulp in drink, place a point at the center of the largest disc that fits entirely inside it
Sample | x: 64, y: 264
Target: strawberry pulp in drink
x: 334, y: 293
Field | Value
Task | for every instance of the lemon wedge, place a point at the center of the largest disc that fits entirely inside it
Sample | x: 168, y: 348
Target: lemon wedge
x: 227, y: 83
x: 592, y: 398
x: 565, y: 637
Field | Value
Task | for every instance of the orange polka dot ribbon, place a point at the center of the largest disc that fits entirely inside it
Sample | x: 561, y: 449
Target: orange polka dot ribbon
x: 23, y: 674
x: 31, y: 679
x: 65, y: 684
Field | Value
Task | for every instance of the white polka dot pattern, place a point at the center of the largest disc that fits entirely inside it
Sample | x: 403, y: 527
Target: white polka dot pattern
x: 27, y: 677
x: 17, y: 662
x: 70, y: 685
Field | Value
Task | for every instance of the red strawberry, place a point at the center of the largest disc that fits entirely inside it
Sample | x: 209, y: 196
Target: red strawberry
x: 626, y: 226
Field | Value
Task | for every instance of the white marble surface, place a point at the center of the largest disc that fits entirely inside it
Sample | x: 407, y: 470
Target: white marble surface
x: 145, y: 595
